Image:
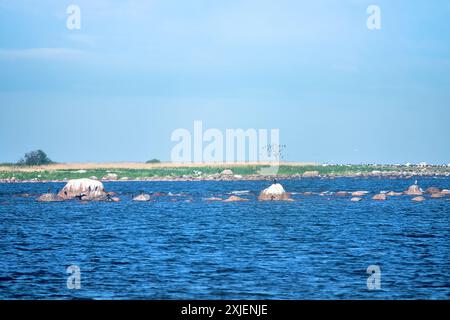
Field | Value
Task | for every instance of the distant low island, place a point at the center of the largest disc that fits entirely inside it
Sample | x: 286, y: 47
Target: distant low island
x: 133, y: 171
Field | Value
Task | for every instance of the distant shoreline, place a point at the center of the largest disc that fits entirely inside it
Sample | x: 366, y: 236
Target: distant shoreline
x: 142, y: 165
x: 208, y: 172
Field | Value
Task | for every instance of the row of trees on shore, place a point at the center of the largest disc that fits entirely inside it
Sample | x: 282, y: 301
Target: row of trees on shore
x: 39, y: 158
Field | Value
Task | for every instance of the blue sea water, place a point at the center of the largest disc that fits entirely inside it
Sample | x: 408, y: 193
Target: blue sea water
x: 182, y: 247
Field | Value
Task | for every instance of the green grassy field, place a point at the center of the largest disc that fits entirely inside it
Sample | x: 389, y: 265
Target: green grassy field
x: 203, y: 171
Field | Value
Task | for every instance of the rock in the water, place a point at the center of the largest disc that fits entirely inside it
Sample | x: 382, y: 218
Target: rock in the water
x: 341, y: 193
x: 235, y: 199
x: 310, y: 174
x: 50, y: 197
x: 91, y: 198
x: 142, y: 197
x: 394, y: 194
x: 213, y: 199
x: 418, y: 199
x: 432, y: 190
x: 274, y: 193
x: 82, y: 187
x: 359, y: 193
x: 355, y: 199
x: 414, y: 190
x: 227, y: 172
x: 445, y: 192
x: 112, y: 199
x: 23, y: 195
x: 380, y: 196
x: 437, y: 195
x: 110, y: 176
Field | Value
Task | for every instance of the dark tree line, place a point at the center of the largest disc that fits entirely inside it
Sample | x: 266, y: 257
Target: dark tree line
x: 35, y: 158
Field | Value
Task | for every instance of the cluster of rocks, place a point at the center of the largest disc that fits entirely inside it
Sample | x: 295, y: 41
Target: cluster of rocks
x: 93, y: 190
x: 415, y: 191
x: 275, y: 192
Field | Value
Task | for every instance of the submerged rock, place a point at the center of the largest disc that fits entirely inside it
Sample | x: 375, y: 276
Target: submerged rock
x: 341, y: 193
x: 437, y: 195
x: 274, y: 193
x: 432, y: 190
x: 380, y: 196
x: 23, y: 195
x: 79, y: 188
x: 235, y: 199
x: 418, y: 199
x: 50, y: 197
x: 213, y: 199
x: 355, y: 199
x: 142, y: 197
x: 394, y: 194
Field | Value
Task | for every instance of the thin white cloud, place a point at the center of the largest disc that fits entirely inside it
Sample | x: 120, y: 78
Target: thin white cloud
x: 41, y: 53
x: 83, y: 39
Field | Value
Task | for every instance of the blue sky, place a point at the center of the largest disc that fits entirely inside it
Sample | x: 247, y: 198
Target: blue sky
x: 137, y: 70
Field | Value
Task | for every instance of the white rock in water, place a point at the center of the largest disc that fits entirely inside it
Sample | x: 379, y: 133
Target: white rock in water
x: 88, y: 187
x: 275, y: 188
x: 142, y: 197
x: 274, y: 192
x: 379, y: 197
x: 235, y: 199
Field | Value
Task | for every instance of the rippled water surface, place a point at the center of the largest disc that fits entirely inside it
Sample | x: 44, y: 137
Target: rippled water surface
x: 181, y: 247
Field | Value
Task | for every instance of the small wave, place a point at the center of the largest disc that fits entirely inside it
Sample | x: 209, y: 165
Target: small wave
x: 240, y: 192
